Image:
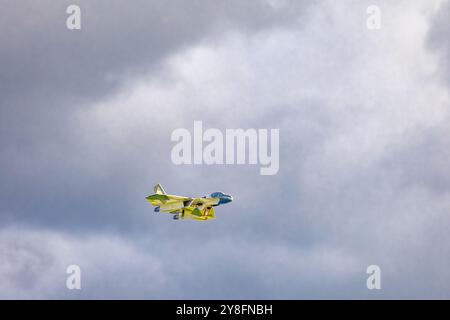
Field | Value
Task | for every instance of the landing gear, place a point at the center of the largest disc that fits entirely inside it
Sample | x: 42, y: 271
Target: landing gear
x: 157, y: 209
x: 176, y: 217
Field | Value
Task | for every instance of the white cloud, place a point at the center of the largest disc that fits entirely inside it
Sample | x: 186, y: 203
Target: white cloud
x: 33, y: 265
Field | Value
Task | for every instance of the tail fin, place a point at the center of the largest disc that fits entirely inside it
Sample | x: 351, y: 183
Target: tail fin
x: 159, y: 189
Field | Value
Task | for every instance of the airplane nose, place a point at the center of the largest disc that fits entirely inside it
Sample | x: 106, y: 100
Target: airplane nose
x: 226, y: 199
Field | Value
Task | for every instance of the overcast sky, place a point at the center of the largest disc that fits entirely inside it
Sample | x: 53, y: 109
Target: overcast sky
x: 85, y: 123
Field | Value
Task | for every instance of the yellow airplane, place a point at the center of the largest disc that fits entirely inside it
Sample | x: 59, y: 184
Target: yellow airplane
x: 186, y: 207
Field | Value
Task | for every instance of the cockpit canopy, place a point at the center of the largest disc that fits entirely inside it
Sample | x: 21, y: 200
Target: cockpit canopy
x: 217, y: 194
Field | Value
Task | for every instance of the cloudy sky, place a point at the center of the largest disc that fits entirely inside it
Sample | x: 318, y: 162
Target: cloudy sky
x: 85, y: 123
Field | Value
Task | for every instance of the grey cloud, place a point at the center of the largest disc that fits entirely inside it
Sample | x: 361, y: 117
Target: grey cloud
x: 34, y: 263
x: 110, y: 266
x: 118, y: 38
x: 48, y: 72
x: 44, y: 80
x: 438, y: 39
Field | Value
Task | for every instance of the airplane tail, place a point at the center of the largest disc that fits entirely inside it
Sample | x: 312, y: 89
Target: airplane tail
x: 159, y: 189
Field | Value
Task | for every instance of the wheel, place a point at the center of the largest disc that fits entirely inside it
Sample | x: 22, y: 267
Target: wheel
x: 157, y: 209
x: 176, y: 217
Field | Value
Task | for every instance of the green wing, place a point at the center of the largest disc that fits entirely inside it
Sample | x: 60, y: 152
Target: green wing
x: 201, y: 208
x: 163, y: 199
x: 197, y: 214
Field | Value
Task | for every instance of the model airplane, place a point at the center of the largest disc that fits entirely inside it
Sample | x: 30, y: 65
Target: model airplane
x: 186, y: 207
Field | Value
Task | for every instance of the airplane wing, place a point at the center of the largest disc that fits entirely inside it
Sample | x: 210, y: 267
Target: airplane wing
x: 162, y: 199
x: 204, y: 202
x: 206, y: 213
